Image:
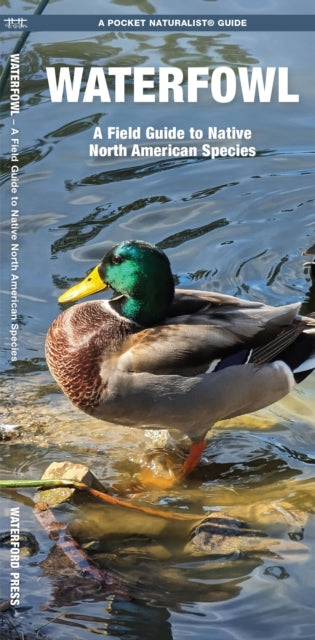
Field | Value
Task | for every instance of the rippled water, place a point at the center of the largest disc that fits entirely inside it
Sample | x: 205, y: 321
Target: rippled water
x: 237, y: 226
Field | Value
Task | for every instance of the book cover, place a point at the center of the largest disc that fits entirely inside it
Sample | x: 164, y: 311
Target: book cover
x: 189, y: 127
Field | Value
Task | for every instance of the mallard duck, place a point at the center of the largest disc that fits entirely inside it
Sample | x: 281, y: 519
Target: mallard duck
x: 154, y: 357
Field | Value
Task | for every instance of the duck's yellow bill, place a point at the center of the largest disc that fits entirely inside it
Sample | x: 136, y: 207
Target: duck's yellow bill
x: 91, y: 284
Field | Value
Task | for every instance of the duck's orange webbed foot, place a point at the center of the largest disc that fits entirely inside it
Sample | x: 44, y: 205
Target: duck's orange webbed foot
x: 159, y: 478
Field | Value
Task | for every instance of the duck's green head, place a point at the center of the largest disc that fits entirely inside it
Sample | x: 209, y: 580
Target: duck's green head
x: 138, y: 271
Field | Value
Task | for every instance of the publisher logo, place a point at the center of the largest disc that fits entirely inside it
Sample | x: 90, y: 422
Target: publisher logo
x: 15, y: 556
x: 15, y: 23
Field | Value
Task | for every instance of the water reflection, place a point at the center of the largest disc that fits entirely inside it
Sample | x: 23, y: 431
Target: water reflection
x: 75, y: 126
x: 130, y: 172
x: 131, y: 49
x: 36, y: 153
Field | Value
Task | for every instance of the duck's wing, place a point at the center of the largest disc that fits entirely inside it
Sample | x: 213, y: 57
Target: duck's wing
x: 202, y: 329
x: 164, y: 379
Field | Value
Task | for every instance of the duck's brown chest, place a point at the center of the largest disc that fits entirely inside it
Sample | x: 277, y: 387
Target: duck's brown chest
x: 79, y: 343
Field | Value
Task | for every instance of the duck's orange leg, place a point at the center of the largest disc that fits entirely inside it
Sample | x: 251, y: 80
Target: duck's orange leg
x: 196, y: 449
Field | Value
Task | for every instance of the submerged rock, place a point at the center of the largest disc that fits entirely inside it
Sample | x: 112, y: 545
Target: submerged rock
x: 28, y: 544
x: 221, y: 534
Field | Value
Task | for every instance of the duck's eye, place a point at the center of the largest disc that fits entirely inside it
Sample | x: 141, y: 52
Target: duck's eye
x: 117, y: 259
